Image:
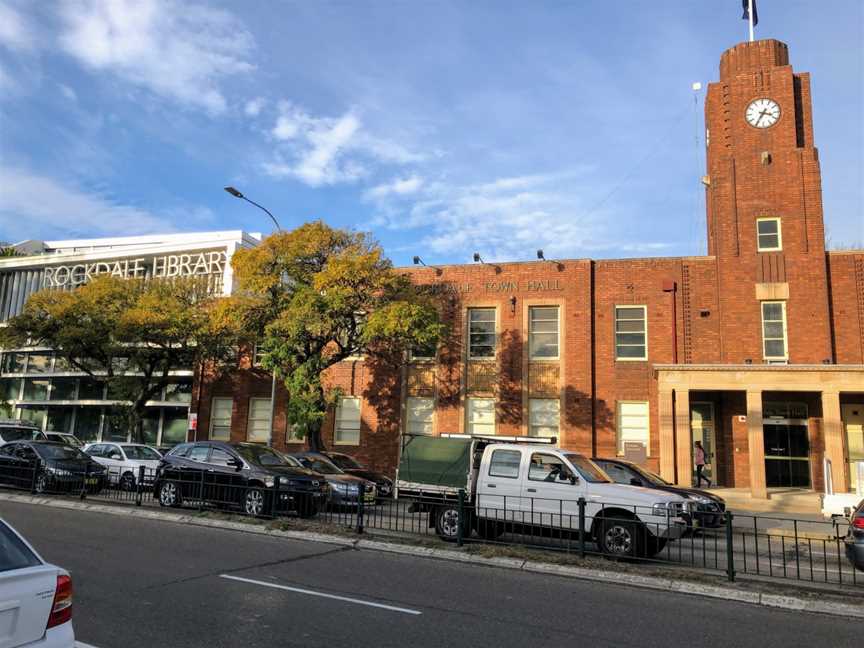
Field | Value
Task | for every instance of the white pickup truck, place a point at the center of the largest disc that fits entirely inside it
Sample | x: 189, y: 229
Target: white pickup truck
x: 520, y: 484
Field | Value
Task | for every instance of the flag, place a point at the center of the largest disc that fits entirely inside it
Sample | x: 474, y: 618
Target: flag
x: 746, y: 15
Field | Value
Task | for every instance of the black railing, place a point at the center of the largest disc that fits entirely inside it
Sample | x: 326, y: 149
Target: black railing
x: 731, y: 544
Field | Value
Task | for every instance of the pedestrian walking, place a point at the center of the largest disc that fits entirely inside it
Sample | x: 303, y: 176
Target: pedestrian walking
x: 699, y: 459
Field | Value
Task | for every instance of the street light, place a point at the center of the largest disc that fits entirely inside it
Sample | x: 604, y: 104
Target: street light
x: 237, y: 194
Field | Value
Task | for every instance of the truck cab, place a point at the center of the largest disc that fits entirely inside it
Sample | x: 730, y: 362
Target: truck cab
x: 524, y: 486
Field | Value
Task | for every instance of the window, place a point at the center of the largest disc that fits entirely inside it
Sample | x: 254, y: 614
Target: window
x: 544, y: 415
x: 543, y: 332
x: 14, y: 362
x: 347, y: 430
x: 220, y: 457
x: 90, y: 389
x: 424, y: 353
x: 549, y: 468
x: 505, y: 463
x: 39, y: 363
x: 619, y: 474
x: 199, y: 453
x: 10, y: 389
x: 258, y: 352
x: 768, y: 236
x: 481, y: 333
x: 59, y: 419
x: 258, y: 427
x: 418, y: 415
x: 774, y: 330
x: 14, y: 554
x: 220, y: 418
x: 36, y: 389
x: 174, y: 426
x: 150, y: 427
x: 481, y: 416
x: 633, y: 424
x: 179, y: 392
x: 87, y: 423
x: 63, y: 389
x: 631, y: 341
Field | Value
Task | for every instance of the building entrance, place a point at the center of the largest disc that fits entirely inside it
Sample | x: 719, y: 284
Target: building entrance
x: 787, y: 445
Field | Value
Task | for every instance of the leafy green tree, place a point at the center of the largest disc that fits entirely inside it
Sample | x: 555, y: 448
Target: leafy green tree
x: 316, y: 296
x: 127, y: 333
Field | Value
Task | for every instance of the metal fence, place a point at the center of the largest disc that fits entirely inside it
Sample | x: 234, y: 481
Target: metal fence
x: 722, y: 542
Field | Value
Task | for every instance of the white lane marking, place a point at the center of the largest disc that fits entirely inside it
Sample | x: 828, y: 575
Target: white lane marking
x: 321, y: 594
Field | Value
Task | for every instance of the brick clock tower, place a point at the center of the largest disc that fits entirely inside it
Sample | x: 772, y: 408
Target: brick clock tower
x: 764, y: 210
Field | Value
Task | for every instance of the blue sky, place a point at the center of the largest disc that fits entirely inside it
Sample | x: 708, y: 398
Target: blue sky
x: 442, y: 127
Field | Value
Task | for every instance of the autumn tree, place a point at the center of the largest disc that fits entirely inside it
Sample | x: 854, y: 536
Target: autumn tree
x: 127, y: 333
x: 316, y: 296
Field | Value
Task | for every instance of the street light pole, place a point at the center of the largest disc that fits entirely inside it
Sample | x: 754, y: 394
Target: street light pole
x: 234, y: 192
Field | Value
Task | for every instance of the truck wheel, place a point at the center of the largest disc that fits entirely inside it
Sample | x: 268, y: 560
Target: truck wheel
x: 447, y: 523
x: 621, y: 538
x: 490, y: 529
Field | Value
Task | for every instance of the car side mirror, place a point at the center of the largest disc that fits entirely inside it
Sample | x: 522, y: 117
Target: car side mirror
x: 635, y: 481
x: 236, y: 462
x: 574, y: 479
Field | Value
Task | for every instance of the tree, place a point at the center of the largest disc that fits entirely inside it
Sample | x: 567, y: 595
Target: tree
x: 316, y: 296
x: 128, y: 333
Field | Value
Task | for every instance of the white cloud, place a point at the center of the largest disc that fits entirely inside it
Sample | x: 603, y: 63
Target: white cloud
x: 15, y: 32
x: 326, y: 150
x: 253, y: 106
x: 176, y: 50
x: 507, y: 218
x: 37, y: 206
x: 398, y: 187
x: 68, y: 92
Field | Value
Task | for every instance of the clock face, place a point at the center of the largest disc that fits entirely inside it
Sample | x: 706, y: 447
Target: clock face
x: 762, y: 113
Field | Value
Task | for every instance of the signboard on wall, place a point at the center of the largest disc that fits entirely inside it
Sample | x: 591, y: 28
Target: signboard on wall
x: 635, y: 451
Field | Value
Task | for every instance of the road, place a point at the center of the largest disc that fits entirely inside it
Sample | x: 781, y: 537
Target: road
x: 153, y: 583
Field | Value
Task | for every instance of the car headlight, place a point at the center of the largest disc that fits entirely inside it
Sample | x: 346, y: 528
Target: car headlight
x: 664, y: 509
x: 269, y: 482
x: 341, y: 488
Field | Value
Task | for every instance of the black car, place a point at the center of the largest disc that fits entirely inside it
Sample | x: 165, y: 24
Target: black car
x: 345, y: 489
x: 240, y: 475
x: 47, y: 466
x: 709, y: 509
x: 353, y: 467
x: 854, y: 539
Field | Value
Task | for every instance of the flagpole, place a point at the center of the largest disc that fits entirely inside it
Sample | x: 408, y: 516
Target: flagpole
x: 750, y: 17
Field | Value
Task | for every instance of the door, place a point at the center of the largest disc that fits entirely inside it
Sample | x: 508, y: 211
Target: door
x: 550, y: 499
x: 787, y: 453
x: 225, y: 483
x: 499, y: 487
x: 702, y: 427
x: 853, y: 421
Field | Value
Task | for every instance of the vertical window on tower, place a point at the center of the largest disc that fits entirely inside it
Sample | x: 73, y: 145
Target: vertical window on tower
x: 774, y: 344
x: 543, y: 332
x: 768, y: 235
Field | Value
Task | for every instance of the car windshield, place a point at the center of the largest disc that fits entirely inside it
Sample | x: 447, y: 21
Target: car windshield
x: 587, y: 468
x: 141, y: 453
x: 260, y: 455
x: 649, y: 476
x: 14, y: 554
x: 62, y: 452
x: 21, y: 434
x: 345, y: 462
x: 320, y: 465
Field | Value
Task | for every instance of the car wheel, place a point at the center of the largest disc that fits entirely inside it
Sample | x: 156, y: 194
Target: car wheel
x: 447, y: 523
x: 127, y: 482
x: 169, y: 494
x: 621, y: 538
x: 254, y: 503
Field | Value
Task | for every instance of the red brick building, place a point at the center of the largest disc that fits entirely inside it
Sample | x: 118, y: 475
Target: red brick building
x: 756, y: 349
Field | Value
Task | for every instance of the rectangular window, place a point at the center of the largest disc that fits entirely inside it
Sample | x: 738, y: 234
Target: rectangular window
x: 768, y: 235
x: 543, y: 332
x: 258, y: 427
x: 774, y: 330
x: 631, y: 339
x: 179, y: 392
x: 63, y: 389
x: 88, y: 420
x: 481, y: 416
x: 36, y: 389
x: 91, y: 389
x: 258, y: 352
x: 418, y: 415
x: 505, y: 463
x: 10, y: 389
x: 14, y: 362
x: 544, y: 416
x: 220, y: 418
x: 39, y: 363
x: 347, y: 430
x: 174, y: 427
x: 481, y: 333
x: 633, y: 424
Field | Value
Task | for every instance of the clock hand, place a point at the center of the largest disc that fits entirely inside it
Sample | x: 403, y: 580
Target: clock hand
x: 761, y: 115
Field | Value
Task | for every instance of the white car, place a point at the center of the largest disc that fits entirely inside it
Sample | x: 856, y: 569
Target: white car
x: 124, y: 460
x: 35, y: 597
